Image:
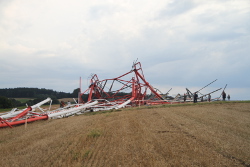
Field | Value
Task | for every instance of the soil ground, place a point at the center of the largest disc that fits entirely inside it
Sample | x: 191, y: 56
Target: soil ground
x: 184, y: 135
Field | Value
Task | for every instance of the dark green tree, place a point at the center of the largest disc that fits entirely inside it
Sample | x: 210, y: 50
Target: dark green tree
x: 75, y: 92
x: 16, y: 103
x: 5, y: 102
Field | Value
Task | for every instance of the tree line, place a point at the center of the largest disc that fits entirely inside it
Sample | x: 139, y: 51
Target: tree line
x: 8, y: 95
x: 34, y: 92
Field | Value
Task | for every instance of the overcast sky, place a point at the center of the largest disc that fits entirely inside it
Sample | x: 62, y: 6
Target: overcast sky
x: 180, y: 44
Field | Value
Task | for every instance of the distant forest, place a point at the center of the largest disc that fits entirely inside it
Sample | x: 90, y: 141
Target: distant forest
x: 8, y: 95
x: 35, y: 92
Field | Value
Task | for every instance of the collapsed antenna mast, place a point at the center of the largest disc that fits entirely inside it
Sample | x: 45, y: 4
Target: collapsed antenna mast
x: 206, y: 85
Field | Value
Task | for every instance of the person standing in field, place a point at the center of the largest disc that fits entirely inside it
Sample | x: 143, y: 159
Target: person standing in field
x: 195, y: 97
x: 224, y: 95
x: 62, y: 104
x: 209, y: 97
x: 185, y: 97
x: 228, y: 97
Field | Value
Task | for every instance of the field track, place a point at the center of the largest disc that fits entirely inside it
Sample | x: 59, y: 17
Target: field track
x: 194, y: 135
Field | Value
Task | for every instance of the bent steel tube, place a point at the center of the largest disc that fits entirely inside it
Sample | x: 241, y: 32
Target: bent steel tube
x: 72, y: 111
x: 41, y: 103
x: 23, y: 121
x: 125, y: 103
x: 13, y: 114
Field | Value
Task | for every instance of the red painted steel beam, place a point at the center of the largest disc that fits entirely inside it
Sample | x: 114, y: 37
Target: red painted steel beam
x: 4, y: 122
x: 44, y: 117
x: 148, y: 85
x: 20, y: 115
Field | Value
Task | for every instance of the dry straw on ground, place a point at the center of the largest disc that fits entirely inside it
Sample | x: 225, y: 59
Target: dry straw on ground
x: 193, y: 135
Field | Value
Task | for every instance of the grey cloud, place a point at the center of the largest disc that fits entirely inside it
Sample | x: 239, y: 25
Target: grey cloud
x: 215, y: 36
x: 175, y: 8
x: 216, y: 25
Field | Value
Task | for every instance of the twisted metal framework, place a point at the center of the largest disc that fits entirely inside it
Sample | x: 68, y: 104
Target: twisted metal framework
x: 129, y: 89
x: 190, y: 94
x: 123, y: 88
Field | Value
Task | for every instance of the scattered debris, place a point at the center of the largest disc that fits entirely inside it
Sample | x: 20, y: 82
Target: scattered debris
x: 28, y: 115
x: 128, y: 90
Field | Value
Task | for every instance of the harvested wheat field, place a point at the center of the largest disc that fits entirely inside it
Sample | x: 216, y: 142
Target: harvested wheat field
x: 215, y: 134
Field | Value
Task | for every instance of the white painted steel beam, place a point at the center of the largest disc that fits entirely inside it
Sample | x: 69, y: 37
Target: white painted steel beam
x: 71, y: 111
x: 15, y: 113
x: 125, y: 103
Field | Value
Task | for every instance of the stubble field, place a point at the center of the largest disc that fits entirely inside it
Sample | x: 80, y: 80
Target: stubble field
x: 215, y: 134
